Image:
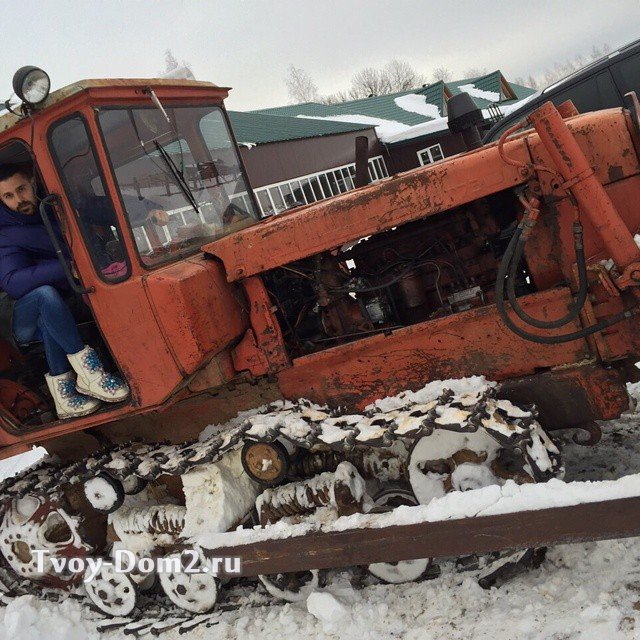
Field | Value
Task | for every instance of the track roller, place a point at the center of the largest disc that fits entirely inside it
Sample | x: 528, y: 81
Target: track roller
x: 104, y: 493
x: 267, y: 463
x: 112, y: 593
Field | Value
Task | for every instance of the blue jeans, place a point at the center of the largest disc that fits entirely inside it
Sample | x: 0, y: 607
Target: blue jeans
x: 42, y: 314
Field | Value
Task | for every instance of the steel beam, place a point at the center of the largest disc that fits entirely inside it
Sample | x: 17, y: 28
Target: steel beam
x: 585, y: 522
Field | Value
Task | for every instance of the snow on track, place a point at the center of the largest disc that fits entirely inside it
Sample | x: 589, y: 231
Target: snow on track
x: 581, y: 592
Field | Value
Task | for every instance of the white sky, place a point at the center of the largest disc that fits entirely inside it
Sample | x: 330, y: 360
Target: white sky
x: 249, y: 44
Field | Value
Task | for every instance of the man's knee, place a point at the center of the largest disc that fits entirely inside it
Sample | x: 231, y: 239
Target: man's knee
x: 47, y: 295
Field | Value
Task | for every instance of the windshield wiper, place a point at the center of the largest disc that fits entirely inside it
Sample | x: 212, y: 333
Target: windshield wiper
x: 179, y: 177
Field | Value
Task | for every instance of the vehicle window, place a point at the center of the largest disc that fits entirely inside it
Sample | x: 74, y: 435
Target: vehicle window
x: 180, y: 180
x: 78, y: 167
x: 626, y: 73
x: 597, y: 92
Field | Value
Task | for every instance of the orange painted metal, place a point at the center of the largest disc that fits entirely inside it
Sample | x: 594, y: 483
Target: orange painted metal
x: 199, y: 313
x: 183, y: 329
x: 570, y: 395
x: 473, y: 342
x: 346, y: 218
x: 262, y: 349
x: 580, y: 179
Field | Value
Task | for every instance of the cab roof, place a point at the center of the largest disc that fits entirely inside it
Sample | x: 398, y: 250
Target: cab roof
x: 8, y: 119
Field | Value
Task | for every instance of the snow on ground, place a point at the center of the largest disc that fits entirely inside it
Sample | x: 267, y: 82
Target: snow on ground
x: 11, y: 466
x: 581, y: 592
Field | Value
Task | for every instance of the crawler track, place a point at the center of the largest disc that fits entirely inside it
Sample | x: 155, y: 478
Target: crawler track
x: 301, y: 424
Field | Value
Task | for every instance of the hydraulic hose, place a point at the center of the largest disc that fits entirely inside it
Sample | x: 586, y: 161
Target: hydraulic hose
x: 567, y: 337
x: 583, y: 285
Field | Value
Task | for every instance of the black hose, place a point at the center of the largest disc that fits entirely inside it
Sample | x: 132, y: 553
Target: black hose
x: 583, y: 285
x: 567, y: 337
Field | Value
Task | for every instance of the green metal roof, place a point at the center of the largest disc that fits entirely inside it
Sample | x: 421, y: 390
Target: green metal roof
x: 491, y: 88
x: 260, y: 128
x: 492, y: 83
x: 522, y: 92
x: 386, y: 106
x: 305, y: 108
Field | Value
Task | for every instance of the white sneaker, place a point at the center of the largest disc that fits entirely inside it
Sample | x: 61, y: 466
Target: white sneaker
x: 69, y: 403
x: 93, y: 380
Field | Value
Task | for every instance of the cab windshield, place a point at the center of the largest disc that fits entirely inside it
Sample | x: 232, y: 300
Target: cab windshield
x: 179, y: 176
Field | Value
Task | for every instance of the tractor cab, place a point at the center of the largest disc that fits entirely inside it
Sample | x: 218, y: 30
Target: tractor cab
x: 138, y: 175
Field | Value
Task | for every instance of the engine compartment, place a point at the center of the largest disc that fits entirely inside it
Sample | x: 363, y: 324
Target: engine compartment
x: 426, y: 269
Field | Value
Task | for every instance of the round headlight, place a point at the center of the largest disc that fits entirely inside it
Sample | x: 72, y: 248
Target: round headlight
x: 31, y: 85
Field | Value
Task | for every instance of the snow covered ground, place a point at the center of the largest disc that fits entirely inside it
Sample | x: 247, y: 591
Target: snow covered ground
x: 581, y: 592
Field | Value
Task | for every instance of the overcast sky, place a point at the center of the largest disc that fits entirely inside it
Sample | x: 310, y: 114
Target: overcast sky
x: 248, y: 45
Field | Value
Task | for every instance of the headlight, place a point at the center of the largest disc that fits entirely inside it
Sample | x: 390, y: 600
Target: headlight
x: 31, y: 85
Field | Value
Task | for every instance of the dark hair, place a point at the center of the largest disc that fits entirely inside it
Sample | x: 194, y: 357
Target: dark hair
x: 10, y: 170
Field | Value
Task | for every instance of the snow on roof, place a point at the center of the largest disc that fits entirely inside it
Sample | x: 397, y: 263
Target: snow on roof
x: 418, y: 104
x: 418, y: 130
x: 474, y: 92
x: 384, y: 128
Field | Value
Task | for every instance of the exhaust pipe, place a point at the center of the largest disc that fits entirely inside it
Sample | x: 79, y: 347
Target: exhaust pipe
x: 362, y: 161
x: 464, y: 117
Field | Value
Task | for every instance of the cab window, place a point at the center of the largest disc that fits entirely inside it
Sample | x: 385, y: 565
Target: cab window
x: 75, y: 158
x: 179, y: 175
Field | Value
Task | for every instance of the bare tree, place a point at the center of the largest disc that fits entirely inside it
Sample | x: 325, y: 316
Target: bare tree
x: 170, y: 61
x: 441, y: 73
x: 532, y: 82
x: 336, y: 98
x: 402, y: 76
x: 476, y: 72
x: 176, y: 69
x: 300, y: 86
x: 396, y: 75
x: 369, y: 82
x: 562, y: 69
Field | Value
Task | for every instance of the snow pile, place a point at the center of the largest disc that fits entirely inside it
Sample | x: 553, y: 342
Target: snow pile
x: 327, y: 608
x: 418, y: 104
x: 10, y: 466
x: 431, y: 391
x: 27, y: 618
x: 474, y: 92
x: 217, y: 496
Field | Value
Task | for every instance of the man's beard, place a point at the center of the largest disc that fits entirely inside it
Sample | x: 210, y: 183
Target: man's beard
x: 27, y: 208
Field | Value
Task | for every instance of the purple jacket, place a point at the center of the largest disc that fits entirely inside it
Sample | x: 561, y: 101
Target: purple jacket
x: 27, y: 257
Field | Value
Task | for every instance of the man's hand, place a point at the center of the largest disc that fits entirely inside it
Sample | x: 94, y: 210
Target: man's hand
x: 159, y: 217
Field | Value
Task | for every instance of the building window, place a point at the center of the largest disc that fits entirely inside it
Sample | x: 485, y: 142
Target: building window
x: 275, y: 198
x: 430, y: 154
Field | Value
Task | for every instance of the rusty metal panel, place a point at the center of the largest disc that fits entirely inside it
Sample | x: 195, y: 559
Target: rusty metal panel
x: 198, y: 311
x: 262, y: 349
x: 572, y: 396
x: 331, y: 223
x: 473, y: 342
